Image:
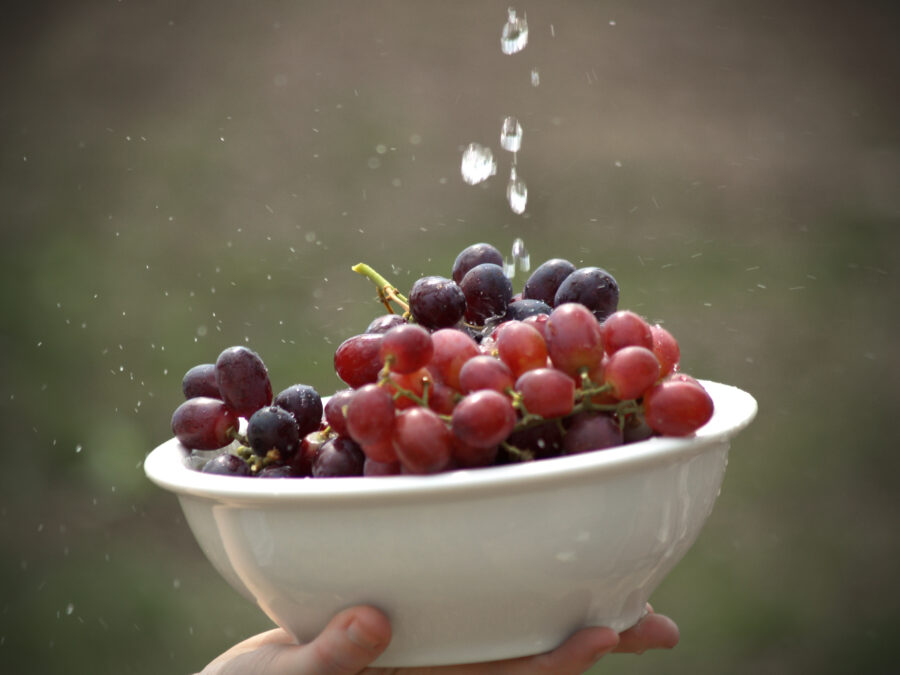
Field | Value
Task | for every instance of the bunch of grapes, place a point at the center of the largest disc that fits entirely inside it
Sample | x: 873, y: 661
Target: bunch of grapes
x: 465, y: 375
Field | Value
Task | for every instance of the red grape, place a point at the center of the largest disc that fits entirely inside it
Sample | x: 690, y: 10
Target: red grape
x: 370, y: 415
x: 337, y: 457
x: 624, y: 329
x: 422, y: 441
x: 677, y: 407
x: 201, y: 381
x: 452, y: 348
x: 630, y: 371
x: 547, y: 392
x: 357, y: 360
x: 573, y: 338
x: 665, y: 346
x: 521, y: 347
x: 227, y: 464
x: 406, y: 348
x: 485, y: 372
x: 334, y: 411
x: 483, y: 419
x: 590, y: 431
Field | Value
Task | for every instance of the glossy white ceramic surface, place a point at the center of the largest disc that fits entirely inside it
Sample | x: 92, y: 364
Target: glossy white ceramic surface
x: 469, y: 565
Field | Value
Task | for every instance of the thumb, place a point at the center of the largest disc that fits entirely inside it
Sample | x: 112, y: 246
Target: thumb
x: 350, y: 642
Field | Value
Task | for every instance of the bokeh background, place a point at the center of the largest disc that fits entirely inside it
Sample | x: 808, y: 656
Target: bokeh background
x: 176, y: 178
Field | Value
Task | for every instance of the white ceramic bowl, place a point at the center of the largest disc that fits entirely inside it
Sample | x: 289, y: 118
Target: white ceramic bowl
x: 470, y: 565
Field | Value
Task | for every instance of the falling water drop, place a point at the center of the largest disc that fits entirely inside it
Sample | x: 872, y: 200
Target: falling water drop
x: 477, y: 164
x: 516, y: 192
x: 520, y: 255
x: 514, y: 35
x: 535, y: 77
x: 511, y: 135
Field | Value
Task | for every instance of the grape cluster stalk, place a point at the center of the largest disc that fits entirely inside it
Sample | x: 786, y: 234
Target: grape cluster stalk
x: 460, y: 373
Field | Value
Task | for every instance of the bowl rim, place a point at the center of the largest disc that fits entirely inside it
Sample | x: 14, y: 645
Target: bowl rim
x: 168, y: 466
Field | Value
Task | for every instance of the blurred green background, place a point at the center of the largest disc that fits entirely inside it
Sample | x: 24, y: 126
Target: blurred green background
x: 176, y: 178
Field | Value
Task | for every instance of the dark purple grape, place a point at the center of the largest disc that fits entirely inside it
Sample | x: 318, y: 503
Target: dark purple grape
x: 593, y: 287
x: 226, y: 464
x: 488, y: 292
x: 201, y: 381
x: 202, y: 423
x: 545, y: 280
x: 385, y: 322
x: 543, y: 440
x: 522, y: 309
x: 305, y: 404
x: 592, y: 431
x: 243, y: 380
x: 473, y: 255
x: 436, y: 302
x: 338, y: 457
x: 273, y: 428
x: 356, y: 360
x: 276, y: 471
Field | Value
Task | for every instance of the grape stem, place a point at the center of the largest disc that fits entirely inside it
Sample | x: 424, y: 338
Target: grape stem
x: 386, y: 290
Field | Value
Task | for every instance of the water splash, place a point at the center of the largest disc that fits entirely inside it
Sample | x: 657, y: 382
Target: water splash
x: 514, y: 35
x: 477, y: 164
x: 511, y: 135
x: 516, y: 192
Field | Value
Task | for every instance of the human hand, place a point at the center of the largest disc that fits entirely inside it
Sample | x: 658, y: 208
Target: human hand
x: 355, y: 637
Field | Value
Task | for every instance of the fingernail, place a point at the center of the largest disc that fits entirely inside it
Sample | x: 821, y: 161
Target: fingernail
x: 361, y: 636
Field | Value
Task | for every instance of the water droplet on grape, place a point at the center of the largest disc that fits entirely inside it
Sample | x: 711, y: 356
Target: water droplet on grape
x: 477, y: 164
x: 514, y: 35
x: 511, y: 135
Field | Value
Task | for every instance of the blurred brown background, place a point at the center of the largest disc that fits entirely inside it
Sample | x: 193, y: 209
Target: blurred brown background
x: 177, y: 177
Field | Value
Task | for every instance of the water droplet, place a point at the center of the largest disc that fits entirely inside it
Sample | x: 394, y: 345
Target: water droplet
x: 514, y: 35
x: 69, y: 609
x: 520, y: 255
x: 516, y: 192
x: 511, y: 134
x: 477, y: 164
x: 535, y: 77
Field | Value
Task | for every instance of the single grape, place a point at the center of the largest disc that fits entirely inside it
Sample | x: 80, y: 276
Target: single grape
x: 370, y: 415
x: 521, y: 347
x: 273, y: 428
x: 592, y: 431
x: 302, y: 461
x: 305, y: 404
x: 357, y: 361
x: 473, y: 255
x: 485, y: 372
x: 334, y: 411
x: 488, y: 292
x: 547, y: 392
x: 406, y: 348
x: 624, y: 329
x: 436, y: 302
x: 483, y: 418
x: 545, y: 280
x: 243, y: 380
x: 422, y: 441
x: 593, y: 287
x: 631, y: 371
x: 441, y: 398
x: 665, y: 346
x: 384, y: 323
x: 227, y: 464
x: 522, y: 309
x: 636, y: 429
x: 677, y: 407
x: 452, y: 348
x: 539, y: 323
x: 203, y: 423
x: 382, y: 451
x: 573, y: 339
x: 201, y: 381
x: 338, y: 457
